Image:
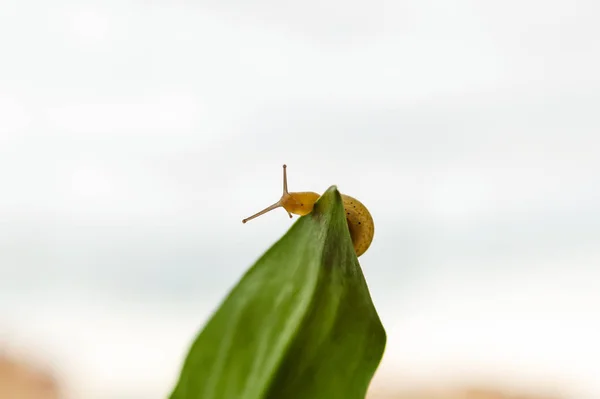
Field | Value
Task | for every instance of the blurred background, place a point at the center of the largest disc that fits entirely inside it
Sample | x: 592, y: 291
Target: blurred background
x: 135, y: 136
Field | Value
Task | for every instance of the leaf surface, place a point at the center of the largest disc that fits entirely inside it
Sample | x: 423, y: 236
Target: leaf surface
x: 299, y: 324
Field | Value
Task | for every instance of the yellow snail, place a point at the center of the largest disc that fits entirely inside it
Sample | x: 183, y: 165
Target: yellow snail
x: 360, y: 222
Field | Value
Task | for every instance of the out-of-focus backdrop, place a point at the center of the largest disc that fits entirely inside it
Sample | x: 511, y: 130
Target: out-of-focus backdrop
x: 135, y: 136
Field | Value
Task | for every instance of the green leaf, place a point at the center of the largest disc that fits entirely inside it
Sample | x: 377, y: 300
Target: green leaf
x: 299, y: 324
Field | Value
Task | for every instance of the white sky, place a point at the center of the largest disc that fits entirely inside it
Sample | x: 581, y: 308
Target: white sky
x: 135, y: 136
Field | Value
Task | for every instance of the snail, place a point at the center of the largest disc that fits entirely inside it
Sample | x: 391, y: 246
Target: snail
x: 360, y: 221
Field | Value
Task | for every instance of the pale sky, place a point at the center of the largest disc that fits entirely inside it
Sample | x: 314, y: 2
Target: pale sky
x: 135, y: 136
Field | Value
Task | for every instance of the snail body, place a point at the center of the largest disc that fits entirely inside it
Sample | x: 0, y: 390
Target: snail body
x: 359, y: 219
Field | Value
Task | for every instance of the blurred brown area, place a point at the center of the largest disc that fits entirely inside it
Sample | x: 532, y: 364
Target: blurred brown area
x: 20, y: 379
